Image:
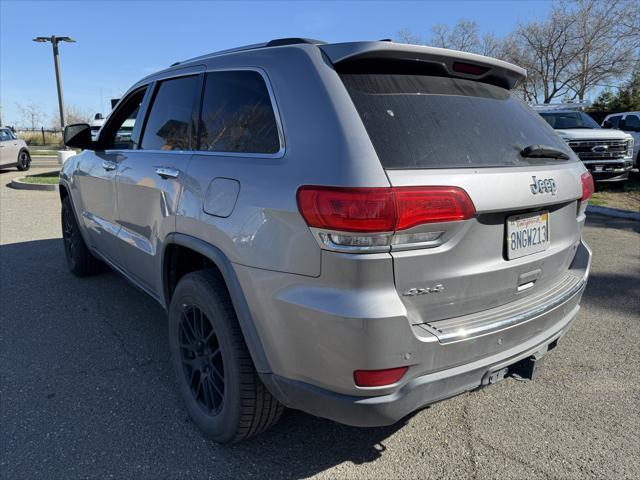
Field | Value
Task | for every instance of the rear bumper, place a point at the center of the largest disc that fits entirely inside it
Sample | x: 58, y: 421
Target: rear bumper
x: 418, y: 393
x: 422, y: 390
x: 610, y: 171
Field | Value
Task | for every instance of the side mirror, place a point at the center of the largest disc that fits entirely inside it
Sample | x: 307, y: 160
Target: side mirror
x: 606, y: 124
x: 78, y: 135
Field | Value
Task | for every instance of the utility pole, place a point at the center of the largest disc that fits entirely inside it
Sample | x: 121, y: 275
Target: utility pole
x: 56, y: 63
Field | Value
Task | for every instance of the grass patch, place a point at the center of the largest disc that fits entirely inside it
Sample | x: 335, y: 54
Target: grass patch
x: 597, y: 200
x: 623, y: 199
x: 47, y: 178
x: 36, y: 153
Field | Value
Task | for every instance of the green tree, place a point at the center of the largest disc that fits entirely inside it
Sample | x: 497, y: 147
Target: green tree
x: 625, y: 99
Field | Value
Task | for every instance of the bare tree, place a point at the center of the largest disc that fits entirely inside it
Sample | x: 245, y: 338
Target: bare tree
x: 548, y: 50
x: 30, y: 114
x: 580, y: 45
x: 514, y: 51
x: 463, y: 36
x: 74, y: 114
x: 607, y: 33
x: 490, y: 46
x: 406, y: 36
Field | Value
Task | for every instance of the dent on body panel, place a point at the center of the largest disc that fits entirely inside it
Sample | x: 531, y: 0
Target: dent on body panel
x: 276, y: 239
x: 135, y: 196
x: 263, y: 228
x: 96, y: 186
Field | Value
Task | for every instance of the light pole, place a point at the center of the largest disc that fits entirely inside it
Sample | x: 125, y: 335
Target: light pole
x: 56, y: 63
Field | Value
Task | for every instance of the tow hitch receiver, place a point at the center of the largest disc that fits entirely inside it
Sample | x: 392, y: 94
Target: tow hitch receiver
x: 525, y: 369
x: 522, y: 370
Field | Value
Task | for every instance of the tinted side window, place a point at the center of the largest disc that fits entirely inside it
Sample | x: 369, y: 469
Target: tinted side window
x: 237, y: 115
x: 4, y: 135
x: 171, y: 114
x: 613, y: 122
x: 632, y: 121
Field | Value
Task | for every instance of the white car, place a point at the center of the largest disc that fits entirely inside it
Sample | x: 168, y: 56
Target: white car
x: 607, y: 153
x: 628, y: 122
x: 13, y: 151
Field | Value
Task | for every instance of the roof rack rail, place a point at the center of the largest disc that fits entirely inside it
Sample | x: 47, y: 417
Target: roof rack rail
x: 273, y: 43
x: 560, y: 106
x: 278, y: 42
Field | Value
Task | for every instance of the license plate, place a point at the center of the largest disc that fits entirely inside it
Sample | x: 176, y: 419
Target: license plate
x: 527, y: 234
x: 599, y: 168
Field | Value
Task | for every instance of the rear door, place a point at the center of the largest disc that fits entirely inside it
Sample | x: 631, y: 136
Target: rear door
x: 433, y: 130
x: 149, y: 179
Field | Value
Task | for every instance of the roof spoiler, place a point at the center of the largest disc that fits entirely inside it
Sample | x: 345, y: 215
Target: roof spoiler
x: 456, y: 63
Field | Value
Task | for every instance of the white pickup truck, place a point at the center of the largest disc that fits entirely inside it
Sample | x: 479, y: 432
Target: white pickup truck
x: 607, y: 153
x: 628, y: 122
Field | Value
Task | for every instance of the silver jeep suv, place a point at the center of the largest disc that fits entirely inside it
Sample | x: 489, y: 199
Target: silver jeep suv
x: 354, y: 230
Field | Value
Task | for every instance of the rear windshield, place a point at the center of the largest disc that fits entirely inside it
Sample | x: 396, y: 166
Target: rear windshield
x: 420, y: 121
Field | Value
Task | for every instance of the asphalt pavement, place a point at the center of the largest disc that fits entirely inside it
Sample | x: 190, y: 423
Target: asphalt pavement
x: 86, y: 389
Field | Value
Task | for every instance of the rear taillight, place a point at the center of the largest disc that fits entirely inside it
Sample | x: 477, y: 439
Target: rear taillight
x: 386, y: 209
x: 418, y: 205
x: 347, y: 209
x: 587, y: 186
x: 378, y: 378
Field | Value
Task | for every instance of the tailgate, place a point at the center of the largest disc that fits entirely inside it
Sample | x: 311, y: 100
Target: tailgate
x: 471, y: 263
x: 432, y: 129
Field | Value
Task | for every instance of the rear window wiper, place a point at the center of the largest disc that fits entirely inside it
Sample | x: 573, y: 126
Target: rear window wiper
x: 543, y: 151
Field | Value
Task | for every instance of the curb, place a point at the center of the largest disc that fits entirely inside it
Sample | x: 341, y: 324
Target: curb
x: 18, y: 185
x: 613, y: 212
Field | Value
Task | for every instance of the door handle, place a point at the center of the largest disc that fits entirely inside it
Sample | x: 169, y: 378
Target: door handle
x: 166, y: 172
x: 108, y: 166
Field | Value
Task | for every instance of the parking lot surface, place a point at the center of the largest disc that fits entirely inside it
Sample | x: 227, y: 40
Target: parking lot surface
x: 86, y: 389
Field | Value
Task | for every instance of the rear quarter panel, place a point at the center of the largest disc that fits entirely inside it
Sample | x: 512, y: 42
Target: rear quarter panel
x: 325, y: 144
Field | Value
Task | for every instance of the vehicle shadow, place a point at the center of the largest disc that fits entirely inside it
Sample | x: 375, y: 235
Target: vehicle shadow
x: 615, y: 292
x: 86, y: 384
x: 603, y: 221
x: 88, y: 336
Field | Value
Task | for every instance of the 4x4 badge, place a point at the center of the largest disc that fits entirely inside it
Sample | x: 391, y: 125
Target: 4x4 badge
x: 412, y: 292
x: 547, y: 185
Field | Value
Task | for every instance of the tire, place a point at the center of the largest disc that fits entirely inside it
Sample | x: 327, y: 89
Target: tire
x: 24, y: 161
x: 80, y: 260
x: 216, y: 376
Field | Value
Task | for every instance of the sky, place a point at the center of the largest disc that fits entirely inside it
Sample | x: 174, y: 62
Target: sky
x: 119, y: 42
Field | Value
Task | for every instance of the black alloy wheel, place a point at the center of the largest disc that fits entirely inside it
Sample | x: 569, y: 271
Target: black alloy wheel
x: 201, y: 357
x: 68, y: 237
